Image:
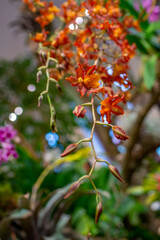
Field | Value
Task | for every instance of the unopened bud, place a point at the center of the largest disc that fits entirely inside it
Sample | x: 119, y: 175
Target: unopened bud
x: 43, y: 57
x: 39, y: 73
x: 71, y: 148
x: 98, y: 212
x: 59, y: 88
x: 40, y: 100
x: 119, y: 133
x: 79, y: 111
x: 72, y: 189
x: 116, y: 173
x: 54, y: 127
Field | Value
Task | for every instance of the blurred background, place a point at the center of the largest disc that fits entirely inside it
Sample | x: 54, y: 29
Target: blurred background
x: 131, y: 211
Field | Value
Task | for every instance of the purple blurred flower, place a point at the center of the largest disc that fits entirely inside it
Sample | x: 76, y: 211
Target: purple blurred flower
x: 7, y: 133
x: 147, y: 5
x: 155, y: 15
x: 7, y: 150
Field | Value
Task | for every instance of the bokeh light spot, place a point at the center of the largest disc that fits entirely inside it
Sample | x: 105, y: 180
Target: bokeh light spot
x: 12, y: 117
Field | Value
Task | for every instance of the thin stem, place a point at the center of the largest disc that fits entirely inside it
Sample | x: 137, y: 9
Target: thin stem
x: 93, y: 150
x: 93, y: 166
x: 102, y: 123
x: 95, y: 188
x: 42, y: 67
x: 44, y: 92
x: 84, y: 177
x: 102, y: 160
x: 50, y: 104
x: 84, y: 140
x: 53, y: 59
x: 53, y: 80
x: 99, y: 97
x: 47, y: 84
x: 93, y: 127
x: 93, y: 111
x: 87, y: 104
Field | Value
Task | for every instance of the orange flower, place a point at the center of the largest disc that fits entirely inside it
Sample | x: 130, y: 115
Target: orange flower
x: 128, y: 51
x: 61, y: 39
x: 45, y: 19
x: 96, y: 10
x: 99, y: 10
x: 47, y: 14
x: 120, y: 75
x: 116, y: 32
x: 30, y: 5
x: 40, y: 37
x: 71, y: 10
x: 102, y: 90
x: 86, y: 79
x: 129, y: 22
x: 109, y: 105
x: 39, y: 3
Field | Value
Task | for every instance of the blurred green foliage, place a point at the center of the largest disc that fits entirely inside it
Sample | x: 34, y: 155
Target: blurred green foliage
x: 15, y: 77
x: 120, y: 210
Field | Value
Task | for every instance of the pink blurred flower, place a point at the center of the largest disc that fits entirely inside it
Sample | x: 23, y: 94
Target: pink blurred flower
x: 7, y: 149
x: 147, y: 4
x: 7, y: 133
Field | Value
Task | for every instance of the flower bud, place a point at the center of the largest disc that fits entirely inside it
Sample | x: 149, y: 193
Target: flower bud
x: 119, y: 133
x: 54, y: 126
x: 43, y: 57
x: 98, y: 212
x: 116, y: 173
x: 39, y: 73
x: 72, y: 189
x: 59, y: 88
x: 71, y: 148
x: 79, y: 111
x: 40, y: 100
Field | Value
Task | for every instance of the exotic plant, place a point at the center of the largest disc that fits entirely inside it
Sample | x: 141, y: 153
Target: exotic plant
x: 88, y: 49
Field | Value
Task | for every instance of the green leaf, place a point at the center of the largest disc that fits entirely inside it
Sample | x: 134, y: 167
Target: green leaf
x: 138, y: 190
x: 22, y: 213
x: 46, y: 212
x: 125, y: 207
x: 129, y: 7
x: 85, y: 225
x: 155, y: 26
x: 138, y: 41
x: 151, y: 198
x: 135, y: 212
x: 150, y: 71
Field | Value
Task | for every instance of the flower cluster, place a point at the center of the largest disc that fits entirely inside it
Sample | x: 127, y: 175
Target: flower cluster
x: 92, y: 36
x: 94, y: 33
x: 7, y: 150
